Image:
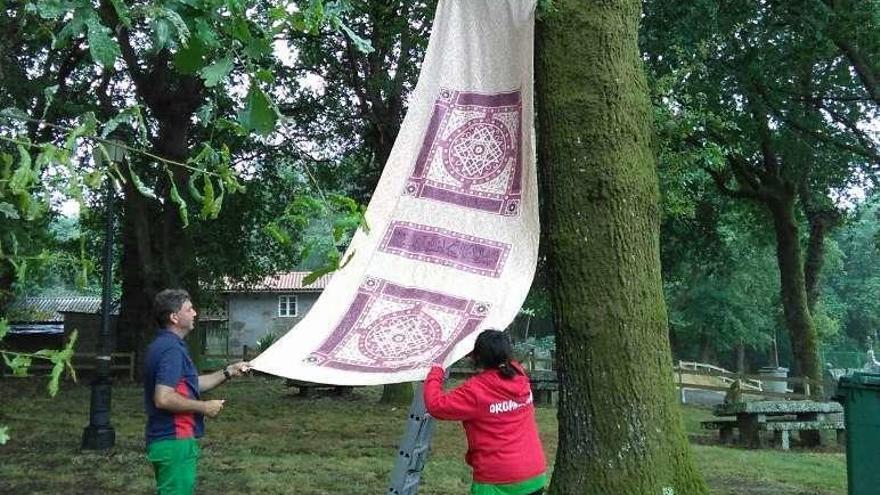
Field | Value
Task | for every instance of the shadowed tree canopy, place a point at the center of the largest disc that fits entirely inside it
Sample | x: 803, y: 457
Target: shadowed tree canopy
x: 782, y: 114
x: 191, y: 83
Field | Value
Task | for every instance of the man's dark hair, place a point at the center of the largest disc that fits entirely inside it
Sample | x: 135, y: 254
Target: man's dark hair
x: 493, y: 350
x: 166, y: 302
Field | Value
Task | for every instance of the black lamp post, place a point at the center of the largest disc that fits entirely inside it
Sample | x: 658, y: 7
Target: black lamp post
x: 99, y: 434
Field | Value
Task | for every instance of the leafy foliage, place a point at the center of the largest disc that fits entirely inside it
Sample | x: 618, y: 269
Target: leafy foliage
x: 19, y: 362
x: 762, y: 103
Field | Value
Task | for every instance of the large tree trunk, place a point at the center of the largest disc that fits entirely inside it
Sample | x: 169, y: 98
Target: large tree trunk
x: 805, y: 360
x: 157, y: 252
x: 619, y: 425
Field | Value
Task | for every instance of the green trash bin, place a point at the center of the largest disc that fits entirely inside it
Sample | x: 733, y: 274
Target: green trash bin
x: 860, y: 394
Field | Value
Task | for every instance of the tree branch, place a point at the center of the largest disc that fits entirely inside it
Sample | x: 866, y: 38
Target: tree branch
x: 721, y: 181
x: 74, y: 56
x: 862, y: 67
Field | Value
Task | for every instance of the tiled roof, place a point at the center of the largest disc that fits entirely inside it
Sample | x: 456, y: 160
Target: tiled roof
x: 50, y: 309
x: 280, y: 282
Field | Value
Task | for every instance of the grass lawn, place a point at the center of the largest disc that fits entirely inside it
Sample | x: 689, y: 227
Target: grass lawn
x: 269, y: 441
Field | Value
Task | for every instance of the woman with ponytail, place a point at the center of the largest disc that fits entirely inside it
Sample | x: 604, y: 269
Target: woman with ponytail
x: 496, y: 410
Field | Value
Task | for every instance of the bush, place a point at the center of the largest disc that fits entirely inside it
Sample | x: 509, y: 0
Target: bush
x: 267, y: 340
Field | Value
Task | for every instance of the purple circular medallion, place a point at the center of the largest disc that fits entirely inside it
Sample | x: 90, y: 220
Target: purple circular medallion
x: 398, y: 336
x: 477, y: 151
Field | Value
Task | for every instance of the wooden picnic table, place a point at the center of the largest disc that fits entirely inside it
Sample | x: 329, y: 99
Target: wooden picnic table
x: 778, y: 416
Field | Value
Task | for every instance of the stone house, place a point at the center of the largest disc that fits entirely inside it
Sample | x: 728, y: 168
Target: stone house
x: 273, y: 305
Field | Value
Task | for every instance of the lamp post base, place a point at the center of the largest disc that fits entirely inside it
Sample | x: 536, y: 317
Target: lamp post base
x: 99, y: 434
x: 98, y: 437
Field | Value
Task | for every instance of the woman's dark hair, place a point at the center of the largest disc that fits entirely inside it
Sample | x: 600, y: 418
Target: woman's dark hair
x: 493, y: 350
x: 166, y: 302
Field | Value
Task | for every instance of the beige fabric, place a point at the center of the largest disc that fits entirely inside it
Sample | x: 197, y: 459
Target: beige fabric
x: 453, y: 237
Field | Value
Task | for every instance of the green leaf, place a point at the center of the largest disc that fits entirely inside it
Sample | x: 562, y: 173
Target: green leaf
x: 4, y: 328
x: 23, y: 175
x: 104, y: 49
x: 161, y: 34
x: 314, y: 16
x: 49, y: 95
x: 207, y: 198
x: 320, y: 272
x: 66, y: 355
x: 53, y: 9
x: 9, y: 211
x: 122, y: 12
x: 191, y: 58
x: 14, y: 114
x: 74, y: 28
x: 298, y: 22
x: 139, y: 185
x: 363, y: 45
x: 55, y: 378
x: 258, y: 48
x: 175, y: 197
x: 235, y: 6
x: 277, y: 233
x: 241, y: 30
x: 346, y: 261
x: 217, y: 72
x: 19, y: 364
x: 259, y: 113
x: 180, y: 26
x: 4, y: 434
x: 193, y: 190
x: 86, y: 128
x: 206, y: 33
x: 131, y: 116
x: 218, y: 203
x: 205, y: 113
x: 266, y: 76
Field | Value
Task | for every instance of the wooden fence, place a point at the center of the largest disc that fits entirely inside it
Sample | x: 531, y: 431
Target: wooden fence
x: 120, y: 361
x: 749, y: 384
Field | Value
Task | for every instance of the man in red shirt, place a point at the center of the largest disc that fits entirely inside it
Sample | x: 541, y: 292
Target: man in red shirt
x: 496, y: 410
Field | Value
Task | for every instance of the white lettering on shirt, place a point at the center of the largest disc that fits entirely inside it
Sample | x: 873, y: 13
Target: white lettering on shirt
x: 508, y: 405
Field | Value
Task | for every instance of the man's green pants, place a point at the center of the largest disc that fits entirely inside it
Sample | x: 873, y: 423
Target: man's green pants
x: 175, y: 464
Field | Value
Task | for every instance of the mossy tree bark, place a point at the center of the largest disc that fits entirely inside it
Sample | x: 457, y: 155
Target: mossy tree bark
x: 619, y: 424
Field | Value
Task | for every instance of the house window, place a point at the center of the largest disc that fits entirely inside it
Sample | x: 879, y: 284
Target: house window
x: 286, y: 306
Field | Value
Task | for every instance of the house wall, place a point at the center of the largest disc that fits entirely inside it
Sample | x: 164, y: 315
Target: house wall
x: 252, y: 316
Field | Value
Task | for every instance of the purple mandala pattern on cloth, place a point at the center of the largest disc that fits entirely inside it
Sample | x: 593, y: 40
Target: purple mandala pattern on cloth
x: 471, y: 155
x: 391, y: 327
x: 445, y: 247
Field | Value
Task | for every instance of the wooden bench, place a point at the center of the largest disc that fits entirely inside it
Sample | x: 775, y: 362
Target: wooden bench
x: 307, y: 389
x: 782, y: 429
x: 544, y: 384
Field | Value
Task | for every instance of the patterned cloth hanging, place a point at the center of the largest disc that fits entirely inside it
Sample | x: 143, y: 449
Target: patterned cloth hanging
x: 453, y: 224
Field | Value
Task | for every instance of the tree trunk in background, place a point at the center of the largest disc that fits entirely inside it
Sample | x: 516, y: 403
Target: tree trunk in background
x: 397, y: 394
x: 805, y: 356
x: 156, y: 250
x: 821, y: 223
x: 741, y: 358
x: 619, y: 423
